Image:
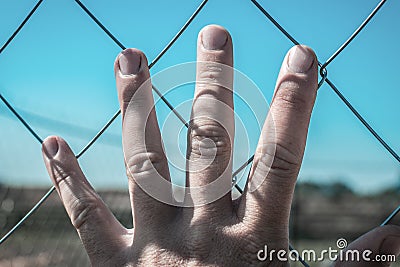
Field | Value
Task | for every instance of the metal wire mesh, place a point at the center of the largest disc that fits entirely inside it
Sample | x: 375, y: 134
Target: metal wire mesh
x: 324, y: 79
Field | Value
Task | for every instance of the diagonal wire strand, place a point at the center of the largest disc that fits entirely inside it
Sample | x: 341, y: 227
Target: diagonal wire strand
x: 22, y: 120
x: 300, y: 259
x: 287, y: 34
x: 391, y: 216
x: 90, y: 14
x: 173, y: 40
x: 166, y: 48
x: 97, y: 136
x: 333, y: 87
x: 46, y: 196
x: 20, y: 26
x: 355, y: 33
x: 30, y: 212
x: 362, y: 120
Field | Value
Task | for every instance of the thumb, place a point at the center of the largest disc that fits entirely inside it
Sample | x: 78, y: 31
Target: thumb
x: 99, y: 230
x: 383, y: 243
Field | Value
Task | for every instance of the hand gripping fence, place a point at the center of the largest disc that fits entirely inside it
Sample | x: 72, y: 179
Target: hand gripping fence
x: 323, y: 73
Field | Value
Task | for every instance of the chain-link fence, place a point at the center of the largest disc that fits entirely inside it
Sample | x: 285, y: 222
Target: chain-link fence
x: 114, y: 199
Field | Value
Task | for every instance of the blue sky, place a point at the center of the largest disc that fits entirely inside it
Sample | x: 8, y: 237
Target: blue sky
x: 58, y: 72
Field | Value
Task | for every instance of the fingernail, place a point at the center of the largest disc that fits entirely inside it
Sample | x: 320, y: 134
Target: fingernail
x: 390, y: 245
x: 214, y: 38
x: 50, y: 146
x: 129, y: 62
x: 300, y: 59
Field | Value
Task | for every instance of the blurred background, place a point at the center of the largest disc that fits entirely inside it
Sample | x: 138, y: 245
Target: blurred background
x: 58, y: 74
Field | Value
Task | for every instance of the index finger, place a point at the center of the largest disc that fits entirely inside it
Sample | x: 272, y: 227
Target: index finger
x: 278, y: 159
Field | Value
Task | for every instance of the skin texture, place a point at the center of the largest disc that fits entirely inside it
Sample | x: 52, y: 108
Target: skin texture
x: 223, y: 232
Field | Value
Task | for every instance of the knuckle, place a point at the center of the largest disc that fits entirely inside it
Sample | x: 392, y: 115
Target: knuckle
x: 282, y: 162
x: 82, y: 209
x: 144, y: 162
x: 208, y: 137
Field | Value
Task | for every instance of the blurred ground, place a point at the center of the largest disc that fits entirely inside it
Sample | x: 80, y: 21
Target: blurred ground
x: 320, y: 215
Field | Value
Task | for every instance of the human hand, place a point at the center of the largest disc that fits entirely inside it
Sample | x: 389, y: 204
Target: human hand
x: 220, y: 232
